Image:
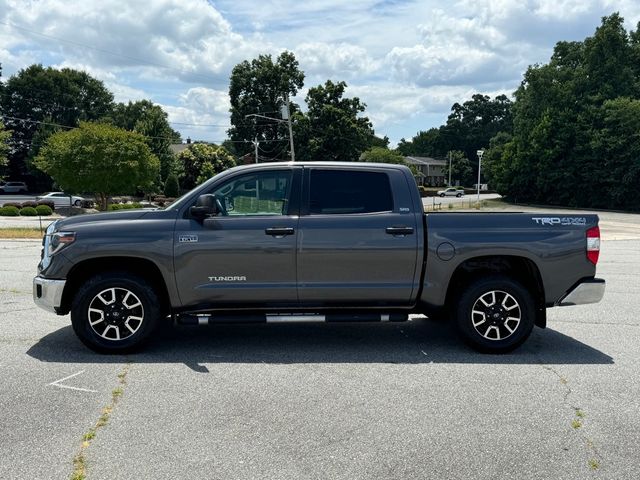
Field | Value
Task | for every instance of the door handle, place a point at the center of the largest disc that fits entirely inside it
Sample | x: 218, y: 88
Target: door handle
x: 279, y: 231
x: 399, y: 230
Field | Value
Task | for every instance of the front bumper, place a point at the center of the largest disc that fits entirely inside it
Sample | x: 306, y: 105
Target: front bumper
x: 587, y: 291
x: 47, y: 293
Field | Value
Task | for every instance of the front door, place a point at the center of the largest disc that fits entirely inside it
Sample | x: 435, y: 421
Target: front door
x: 246, y: 255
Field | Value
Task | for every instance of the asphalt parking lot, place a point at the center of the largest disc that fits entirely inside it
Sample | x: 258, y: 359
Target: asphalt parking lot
x: 353, y: 401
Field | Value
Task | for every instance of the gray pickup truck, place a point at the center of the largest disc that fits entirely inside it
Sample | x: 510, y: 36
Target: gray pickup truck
x: 286, y: 242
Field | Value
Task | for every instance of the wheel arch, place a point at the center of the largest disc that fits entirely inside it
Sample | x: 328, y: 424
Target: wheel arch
x: 140, y: 267
x: 521, y: 269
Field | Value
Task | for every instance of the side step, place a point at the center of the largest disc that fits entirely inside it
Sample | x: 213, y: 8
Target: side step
x: 207, y: 319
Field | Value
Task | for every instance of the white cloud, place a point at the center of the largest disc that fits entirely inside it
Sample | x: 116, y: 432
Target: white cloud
x: 409, y: 60
x: 324, y: 60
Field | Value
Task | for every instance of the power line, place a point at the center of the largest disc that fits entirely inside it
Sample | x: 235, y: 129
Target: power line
x: 146, y: 136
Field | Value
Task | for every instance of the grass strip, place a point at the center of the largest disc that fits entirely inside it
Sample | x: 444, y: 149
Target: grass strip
x: 21, y: 232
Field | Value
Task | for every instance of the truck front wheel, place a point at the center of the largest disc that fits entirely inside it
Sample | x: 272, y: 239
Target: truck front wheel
x: 495, y: 314
x: 115, y: 312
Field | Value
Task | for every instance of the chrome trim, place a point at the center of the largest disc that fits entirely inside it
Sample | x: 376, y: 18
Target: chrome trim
x: 51, y: 293
x: 588, y: 291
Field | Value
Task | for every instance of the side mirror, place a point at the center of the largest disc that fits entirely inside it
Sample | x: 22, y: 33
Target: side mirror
x: 206, y: 205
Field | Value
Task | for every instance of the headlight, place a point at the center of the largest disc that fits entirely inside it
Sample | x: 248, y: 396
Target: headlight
x: 59, y: 240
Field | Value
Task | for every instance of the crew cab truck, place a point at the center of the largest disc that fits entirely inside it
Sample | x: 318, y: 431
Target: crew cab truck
x: 314, y: 241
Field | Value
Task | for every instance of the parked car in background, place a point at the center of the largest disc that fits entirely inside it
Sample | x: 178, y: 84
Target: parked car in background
x: 451, y: 192
x: 14, y: 187
x: 61, y: 199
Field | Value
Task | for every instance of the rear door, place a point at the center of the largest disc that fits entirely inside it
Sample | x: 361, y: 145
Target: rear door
x: 357, y: 243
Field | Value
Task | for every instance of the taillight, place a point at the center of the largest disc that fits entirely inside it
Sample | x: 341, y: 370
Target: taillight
x: 593, y: 244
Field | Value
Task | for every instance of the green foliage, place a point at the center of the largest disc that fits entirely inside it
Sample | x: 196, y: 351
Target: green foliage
x: 333, y: 128
x: 469, y: 127
x: 47, y: 203
x: 172, y: 186
x: 28, y: 212
x: 4, y: 144
x: 461, y: 169
x: 99, y: 158
x: 382, y: 155
x: 9, y: 211
x: 201, y: 161
x: 151, y: 121
x: 124, y: 206
x: 40, y: 94
x: 423, y: 144
x: 576, y: 125
x: 260, y: 86
x: 44, y: 210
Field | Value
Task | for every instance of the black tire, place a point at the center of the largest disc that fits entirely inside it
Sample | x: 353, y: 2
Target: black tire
x: 77, y: 203
x: 493, y: 328
x: 96, y: 293
x: 442, y: 195
x: 459, y: 195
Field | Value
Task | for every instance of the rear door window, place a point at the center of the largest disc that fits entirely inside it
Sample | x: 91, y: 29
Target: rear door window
x: 341, y: 192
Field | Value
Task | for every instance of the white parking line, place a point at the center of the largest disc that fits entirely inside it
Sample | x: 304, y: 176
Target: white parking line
x: 57, y: 383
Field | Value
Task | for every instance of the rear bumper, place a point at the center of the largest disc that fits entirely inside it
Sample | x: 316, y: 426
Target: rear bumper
x: 587, y: 291
x: 47, y: 293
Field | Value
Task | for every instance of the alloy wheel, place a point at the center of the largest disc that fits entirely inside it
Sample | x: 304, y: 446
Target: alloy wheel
x: 115, y: 313
x: 496, y: 315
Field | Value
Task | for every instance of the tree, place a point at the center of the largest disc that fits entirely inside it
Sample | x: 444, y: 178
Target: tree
x: 172, y: 186
x: 260, y: 87
x: 469, y: 127
x: 37, y: 94
x: 423, y: 144
x: 461, y: 170
x: 151, y: 121
x: 202, y: 161
x: 382, y: 155
x: 473, y: 124
x: 5, y: 135
x: 617, y: 147
x: 333, y: 128
x: 569, y: 117
x: 99, y: 158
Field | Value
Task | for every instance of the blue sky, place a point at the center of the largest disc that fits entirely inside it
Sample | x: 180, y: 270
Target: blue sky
x: 409, y: 61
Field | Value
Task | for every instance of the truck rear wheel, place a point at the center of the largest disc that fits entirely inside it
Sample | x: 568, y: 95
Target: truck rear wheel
x: 115, y: 312
x: 495, y: 314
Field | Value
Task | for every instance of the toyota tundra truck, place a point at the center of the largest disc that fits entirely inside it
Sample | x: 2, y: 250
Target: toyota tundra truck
x: 317, y: 241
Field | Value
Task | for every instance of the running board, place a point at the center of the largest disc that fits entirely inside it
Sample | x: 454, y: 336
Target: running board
x: 208, y: 319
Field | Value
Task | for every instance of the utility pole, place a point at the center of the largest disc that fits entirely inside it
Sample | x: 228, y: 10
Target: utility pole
x: 480, y: 153
x: 286, y: 115
x: 255, y: 144
x: 449, y: 167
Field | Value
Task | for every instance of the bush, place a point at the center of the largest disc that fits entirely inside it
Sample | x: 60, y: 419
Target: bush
x: 28, y: 212
x: 29, y: 204
x: 13, y: 204
x: 171, y: 186
x: 9, y: 211
x: 115, y: 206
x: 44, y: 210
x: 48, y: 203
